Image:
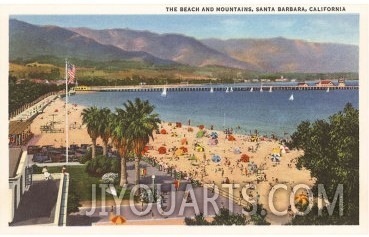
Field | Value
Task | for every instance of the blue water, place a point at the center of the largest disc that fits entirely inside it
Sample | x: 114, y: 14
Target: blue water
x: 241, y: 110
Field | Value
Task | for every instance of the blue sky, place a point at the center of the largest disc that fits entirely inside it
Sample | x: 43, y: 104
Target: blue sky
x: 335, y: 28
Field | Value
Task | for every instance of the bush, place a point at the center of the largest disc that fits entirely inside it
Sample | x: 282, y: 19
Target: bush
x: 101, y: 165
x: 86, y: 157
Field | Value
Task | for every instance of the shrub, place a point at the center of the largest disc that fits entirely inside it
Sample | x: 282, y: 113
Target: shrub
x: 101, y: 165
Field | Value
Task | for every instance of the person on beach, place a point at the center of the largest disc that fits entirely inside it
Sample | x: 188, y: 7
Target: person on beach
x: 64, y: 169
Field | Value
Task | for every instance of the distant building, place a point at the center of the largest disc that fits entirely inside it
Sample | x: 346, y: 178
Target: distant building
x: 282, y: 79
x: 341, y: 82
x: 19, y: 132
x: 324, y: 83
x: 302, y: 84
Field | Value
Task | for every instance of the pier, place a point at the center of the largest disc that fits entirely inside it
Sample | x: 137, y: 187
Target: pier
x: 158, y: 88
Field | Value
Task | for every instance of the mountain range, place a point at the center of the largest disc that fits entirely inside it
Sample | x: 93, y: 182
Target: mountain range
x: 262, y: 55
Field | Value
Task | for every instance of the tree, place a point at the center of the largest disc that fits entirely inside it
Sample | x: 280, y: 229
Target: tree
x: 104, y: 128
x: 90, y: 117
x: 331, y: 153
x: 118, y: 126
x: 142, y: 123
x: 225, y: 217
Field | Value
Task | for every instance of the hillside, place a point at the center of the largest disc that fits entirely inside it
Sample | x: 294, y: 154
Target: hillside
x: 252, y: 55
x: 284, y: 55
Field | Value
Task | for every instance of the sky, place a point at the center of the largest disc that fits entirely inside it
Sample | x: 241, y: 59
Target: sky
x: 332, y: 28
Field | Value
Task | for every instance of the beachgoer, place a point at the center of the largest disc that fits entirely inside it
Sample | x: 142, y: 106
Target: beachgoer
x: 64, y: 169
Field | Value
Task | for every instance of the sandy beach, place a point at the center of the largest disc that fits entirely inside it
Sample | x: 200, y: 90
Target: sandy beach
x: 199, y: 161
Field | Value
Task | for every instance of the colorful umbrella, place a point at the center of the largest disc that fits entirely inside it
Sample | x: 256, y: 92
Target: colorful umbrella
x: 118, y: 220
x: 301, y: 198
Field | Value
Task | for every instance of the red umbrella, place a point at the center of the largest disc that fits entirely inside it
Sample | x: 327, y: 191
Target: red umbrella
x: 231, y: 138
x: 245, y: 158
x: 162, y: 150
x: 184, y: 149
x: 163, y: 131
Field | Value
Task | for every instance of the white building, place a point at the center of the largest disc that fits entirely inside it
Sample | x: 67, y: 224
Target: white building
x: 18, y: 180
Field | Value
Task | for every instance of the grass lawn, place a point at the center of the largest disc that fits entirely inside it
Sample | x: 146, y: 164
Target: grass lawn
x: 83, y: 183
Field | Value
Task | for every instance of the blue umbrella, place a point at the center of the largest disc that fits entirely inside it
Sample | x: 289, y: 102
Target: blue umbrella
x: 214, y: 135
x: 216, y: 158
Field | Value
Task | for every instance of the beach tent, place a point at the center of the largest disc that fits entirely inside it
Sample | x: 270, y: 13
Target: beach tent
x: 200, y: 134
x: 162, y: 150
x: 189, y: 129
x: 163, y: 131
x: 216, y: 158
x: 236, y: 150
x: 213, y: 142
x: 231, y: 138
x: 245, y: 158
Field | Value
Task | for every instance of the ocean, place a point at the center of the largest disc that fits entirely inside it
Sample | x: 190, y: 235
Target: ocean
x: 243, y: 111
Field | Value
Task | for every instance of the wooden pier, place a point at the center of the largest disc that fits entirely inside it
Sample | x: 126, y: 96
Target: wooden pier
x: 158, y: 88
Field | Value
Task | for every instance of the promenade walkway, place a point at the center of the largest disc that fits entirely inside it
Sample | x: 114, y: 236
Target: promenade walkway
x: 175, y: 205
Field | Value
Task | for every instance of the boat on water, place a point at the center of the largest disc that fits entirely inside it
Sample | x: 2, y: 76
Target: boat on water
x: 231, y: 90
x: 227, y: 90
x: 270, y: 89
x: 211, y: 90
x: 291, y: 97
x: 252, y: 89
x: 164, y: 92
x: 327, y: 90
x: 261, y: 88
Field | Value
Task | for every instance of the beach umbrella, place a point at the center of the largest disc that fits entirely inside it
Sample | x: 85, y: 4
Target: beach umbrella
x: 118, y: 220
x: 276, y: 151
x: 163, y: 131
x: 245, y: 158
x: 214, y: 135
x: 179, y: 152
x: 184, y: 141
x: 301, y: 198
x: 236, y: 150
x: 213, y: 142
x: 216, y: 158
x: 184, y: 149
x: 231, y: 138
x: 201, y: 126
x: 200, y: 134
x: 162, y: 150
x: 199, y: 148
x: 275, y: 158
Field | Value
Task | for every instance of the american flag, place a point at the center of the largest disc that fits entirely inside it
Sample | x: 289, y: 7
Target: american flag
x: 71, y: 73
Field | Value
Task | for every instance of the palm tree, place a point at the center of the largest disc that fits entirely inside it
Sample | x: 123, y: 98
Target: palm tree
x: 118, y: 127
x: 90, y: 117
x: 104, y: 127
x: 142, y: 124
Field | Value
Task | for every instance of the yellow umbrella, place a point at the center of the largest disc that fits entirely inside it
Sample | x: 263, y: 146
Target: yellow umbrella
x: 302, y: 198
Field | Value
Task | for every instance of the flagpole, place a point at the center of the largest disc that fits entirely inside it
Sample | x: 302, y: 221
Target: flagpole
x: 66, y: 110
